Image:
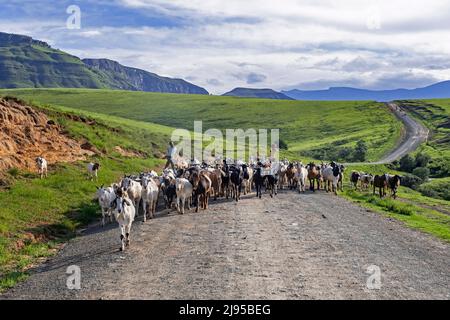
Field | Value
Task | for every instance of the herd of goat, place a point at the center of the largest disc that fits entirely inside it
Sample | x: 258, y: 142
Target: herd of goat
x: 192, y: 186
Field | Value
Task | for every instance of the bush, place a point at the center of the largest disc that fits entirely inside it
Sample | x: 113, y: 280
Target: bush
x: 14, y: 172
x: 407, y: 163
x: 422, y: 160
x: 360, y: 152
x: 411, y: 181
x: 422, y: 173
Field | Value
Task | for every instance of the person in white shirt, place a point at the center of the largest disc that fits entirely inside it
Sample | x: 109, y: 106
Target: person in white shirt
x: 170, y: 155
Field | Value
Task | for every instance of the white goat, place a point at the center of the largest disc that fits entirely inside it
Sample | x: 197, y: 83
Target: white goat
x: 184, y: 191
x: 92, y: 169
x: 302, y: 175
x: 42, y: 167
x: 124, y: 212
x: 134, y: 191
x: 105, y: 197
x: 150, y: 192
x: 331, y: 176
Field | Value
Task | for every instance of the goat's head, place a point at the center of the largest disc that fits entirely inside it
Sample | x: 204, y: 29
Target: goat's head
x: 120, y: 202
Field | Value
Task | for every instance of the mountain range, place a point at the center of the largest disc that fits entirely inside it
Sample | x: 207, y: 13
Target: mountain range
x: 29, y: 63
x: 257, y: 93
x: 435, y: 91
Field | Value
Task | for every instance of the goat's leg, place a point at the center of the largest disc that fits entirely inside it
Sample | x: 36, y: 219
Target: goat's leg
x: 127, y: 234
x: 144, y: 207
x: 122, y: 238
x: 103, y: 216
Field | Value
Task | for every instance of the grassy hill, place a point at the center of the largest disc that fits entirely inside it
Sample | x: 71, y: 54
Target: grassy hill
x: 29, y: 63
x: 36, y: 216
x: 307, y: 128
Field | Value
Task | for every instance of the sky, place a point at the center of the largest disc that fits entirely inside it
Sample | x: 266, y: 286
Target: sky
x: 278, y: 44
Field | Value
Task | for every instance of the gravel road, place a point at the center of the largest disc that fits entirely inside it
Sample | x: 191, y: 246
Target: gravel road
x: 415, y: 135
x: 311, y: 246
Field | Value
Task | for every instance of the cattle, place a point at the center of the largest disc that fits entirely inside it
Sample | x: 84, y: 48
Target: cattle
x: 92, y: 169
x: 354, y: 179
x: 124, y: 212
x: 380, y: 182
x: 314, y: 175
x: 184, y: 190
x: 393, y: 182
x: 42, y: 167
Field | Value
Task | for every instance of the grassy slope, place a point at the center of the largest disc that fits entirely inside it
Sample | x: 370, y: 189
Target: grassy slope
x: 37, y: 214
x: 304, y: 125
x: 433, y: 114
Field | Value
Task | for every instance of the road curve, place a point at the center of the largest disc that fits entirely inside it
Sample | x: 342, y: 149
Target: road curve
x: 415, y: 135
x: 309, y: 246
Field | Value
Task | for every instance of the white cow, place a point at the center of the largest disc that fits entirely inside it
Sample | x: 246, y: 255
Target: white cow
x: 184, y: 191
x: 124, y: 212
x: 150, y: 192
x: 42, y: 166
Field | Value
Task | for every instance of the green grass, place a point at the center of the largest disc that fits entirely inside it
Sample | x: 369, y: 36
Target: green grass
x: 35, y: 214
x: 304, y: 125
x: 435, y: 115
x: 424, y: 219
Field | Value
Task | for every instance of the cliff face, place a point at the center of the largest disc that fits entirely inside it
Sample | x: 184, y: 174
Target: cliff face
x: 29, y: 63
x: 127, y: 78
x: 26, y: 133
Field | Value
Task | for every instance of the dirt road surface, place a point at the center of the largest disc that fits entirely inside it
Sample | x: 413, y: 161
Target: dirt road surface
x: 312, y: 246
x: 415, y: 135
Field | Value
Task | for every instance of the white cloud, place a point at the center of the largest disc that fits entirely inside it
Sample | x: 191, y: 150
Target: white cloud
x: 283, y: 43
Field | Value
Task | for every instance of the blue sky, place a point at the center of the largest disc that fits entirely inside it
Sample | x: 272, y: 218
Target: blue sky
x: 284, y: 44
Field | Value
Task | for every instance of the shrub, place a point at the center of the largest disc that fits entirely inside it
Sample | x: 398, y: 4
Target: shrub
x: 360, y: 152
x: 14, y: 172
x: 407, y: 163
x: 411, y: 181
x: 422, y: 173
x: 422, y: 160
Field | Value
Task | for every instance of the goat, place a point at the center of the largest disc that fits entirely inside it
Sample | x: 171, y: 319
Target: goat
x: 105, y: 197
x: 42, y: 167
x: 184, y: 190
x: 124, y: 212
x: 92, y: 169
x: 149, y: 196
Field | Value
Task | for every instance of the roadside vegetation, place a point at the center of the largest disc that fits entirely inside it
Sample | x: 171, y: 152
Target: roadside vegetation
x: 36, y: 216
x: 309, y: 129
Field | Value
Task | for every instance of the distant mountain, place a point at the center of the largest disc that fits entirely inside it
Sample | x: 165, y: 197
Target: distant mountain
x: 257, y: 93
x: 435, y: 91
x: 29, y: 63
